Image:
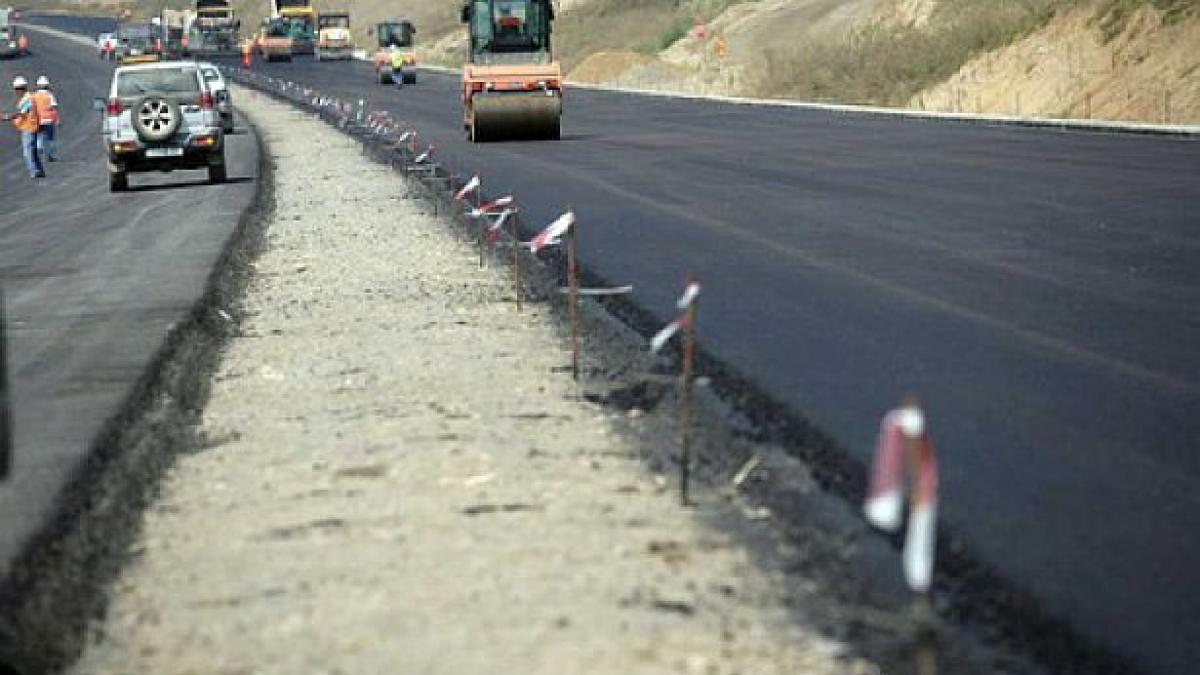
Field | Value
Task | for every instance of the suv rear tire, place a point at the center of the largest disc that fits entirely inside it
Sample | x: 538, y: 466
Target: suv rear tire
x: 118, y: 181
x: 217, y: 173
x: 156, y: 118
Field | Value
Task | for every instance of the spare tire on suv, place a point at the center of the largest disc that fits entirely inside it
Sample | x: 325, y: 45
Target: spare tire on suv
x: 156, y: 118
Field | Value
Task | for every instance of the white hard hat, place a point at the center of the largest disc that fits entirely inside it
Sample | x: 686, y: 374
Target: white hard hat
x: 20, y: 82
x: 43, y: 81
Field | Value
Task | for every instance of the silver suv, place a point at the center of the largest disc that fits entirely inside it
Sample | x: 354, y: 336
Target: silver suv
x: 161, y: 117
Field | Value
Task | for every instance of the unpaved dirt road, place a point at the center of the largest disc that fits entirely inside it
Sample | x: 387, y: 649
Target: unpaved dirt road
x: 400, y: 478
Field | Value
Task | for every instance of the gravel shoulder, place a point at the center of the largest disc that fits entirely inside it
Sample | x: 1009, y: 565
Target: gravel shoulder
x: 397, y: 474
x: 400, y: 478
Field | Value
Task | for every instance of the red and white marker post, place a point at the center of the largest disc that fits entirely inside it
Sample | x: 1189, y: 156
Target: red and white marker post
x: 904, y: 444
x: 564, y: 226
x: 687, y: 323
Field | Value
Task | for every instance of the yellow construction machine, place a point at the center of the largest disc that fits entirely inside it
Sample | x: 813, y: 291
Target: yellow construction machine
x: 396, y: 59
x: 300, y: 17
x: 274, y: 42
x: 333, y: 36
x: 511, y: 84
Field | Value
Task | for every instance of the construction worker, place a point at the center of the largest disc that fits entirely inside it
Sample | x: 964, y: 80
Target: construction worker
x: 47, y: 112
x: 247, y: 53
x: 25, y: 120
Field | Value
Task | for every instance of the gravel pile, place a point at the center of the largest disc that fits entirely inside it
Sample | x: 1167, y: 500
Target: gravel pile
x: 401, y: 477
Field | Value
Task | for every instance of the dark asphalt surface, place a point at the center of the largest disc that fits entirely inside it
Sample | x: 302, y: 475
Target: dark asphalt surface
x: 1039, y: 289
x: 94, y: 281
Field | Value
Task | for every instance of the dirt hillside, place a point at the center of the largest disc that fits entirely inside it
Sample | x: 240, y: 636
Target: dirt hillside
x: 1082, y: 66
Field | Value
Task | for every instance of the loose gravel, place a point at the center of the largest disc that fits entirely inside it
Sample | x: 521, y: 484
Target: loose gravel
x: 400, y: 477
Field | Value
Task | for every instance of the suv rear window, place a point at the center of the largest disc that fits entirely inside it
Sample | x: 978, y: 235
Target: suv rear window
x: 158, y: 80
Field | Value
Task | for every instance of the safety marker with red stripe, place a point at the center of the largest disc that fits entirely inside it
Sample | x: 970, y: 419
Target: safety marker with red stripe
x: 553, y: 233
x: 424, y: 157
x: 471, y: 186
x: 685, y: 322
x: 904, y: 444
x: 493, y: 206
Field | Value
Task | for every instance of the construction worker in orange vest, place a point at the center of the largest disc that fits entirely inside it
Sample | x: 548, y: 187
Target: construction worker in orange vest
x: 247, y: 53
x: 47, y: 111
x: 25, y: 120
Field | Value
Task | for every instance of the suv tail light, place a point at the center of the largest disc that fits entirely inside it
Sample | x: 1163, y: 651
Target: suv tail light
x: 206, y: 101
x: 113, y: 108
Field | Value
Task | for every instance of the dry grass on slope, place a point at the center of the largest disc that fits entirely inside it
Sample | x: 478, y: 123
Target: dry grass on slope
x: 587, y: 27
x: 886, y: 64
x: 1139, y: 67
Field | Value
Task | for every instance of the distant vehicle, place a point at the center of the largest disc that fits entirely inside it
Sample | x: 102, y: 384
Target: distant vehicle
x: 12, y: 41
x: 396, y: 60
x: 138, y: 43
x: 300, y: 18
x: 333, y: 37
x: 214, y: 28
x: 171, y: 33
x: 106, y: 43
x: 274, y: 42
x: 219, y: 88
x: 161, y: 117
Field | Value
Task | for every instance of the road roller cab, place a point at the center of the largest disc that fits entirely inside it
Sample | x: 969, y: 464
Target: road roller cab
x: 396, y: 59
x: 512, y: 86
x: 334, y: 40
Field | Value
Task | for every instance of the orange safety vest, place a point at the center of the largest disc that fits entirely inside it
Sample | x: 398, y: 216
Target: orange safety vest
x: 47, y: 111
x: 26, y: 121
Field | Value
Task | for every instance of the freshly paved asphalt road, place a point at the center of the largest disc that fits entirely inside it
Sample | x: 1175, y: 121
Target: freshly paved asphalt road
x: 93, y: 281
x: 1039, y: 289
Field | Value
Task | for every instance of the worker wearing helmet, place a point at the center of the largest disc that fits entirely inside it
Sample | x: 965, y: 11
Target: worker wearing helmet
x: 47, y: 111
x: 25, y: 120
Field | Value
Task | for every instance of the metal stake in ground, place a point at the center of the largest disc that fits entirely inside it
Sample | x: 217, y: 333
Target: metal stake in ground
x: 5, y: 413
x: 685, y: 405
x: 483, y: 226
x: 516, y: 259
x: 573, y: 282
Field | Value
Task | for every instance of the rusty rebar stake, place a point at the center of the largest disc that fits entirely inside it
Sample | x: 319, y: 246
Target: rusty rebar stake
x: 685, y: 405
x: 573, y: 284
x: 483, y: 225
x: 516, y: 260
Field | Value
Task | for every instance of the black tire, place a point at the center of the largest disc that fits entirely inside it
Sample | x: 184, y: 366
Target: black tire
x: 384, y: 78
x: 118, y: 181
x: 410, y: 78
x: 156, y: 118
x: 216, y: 173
